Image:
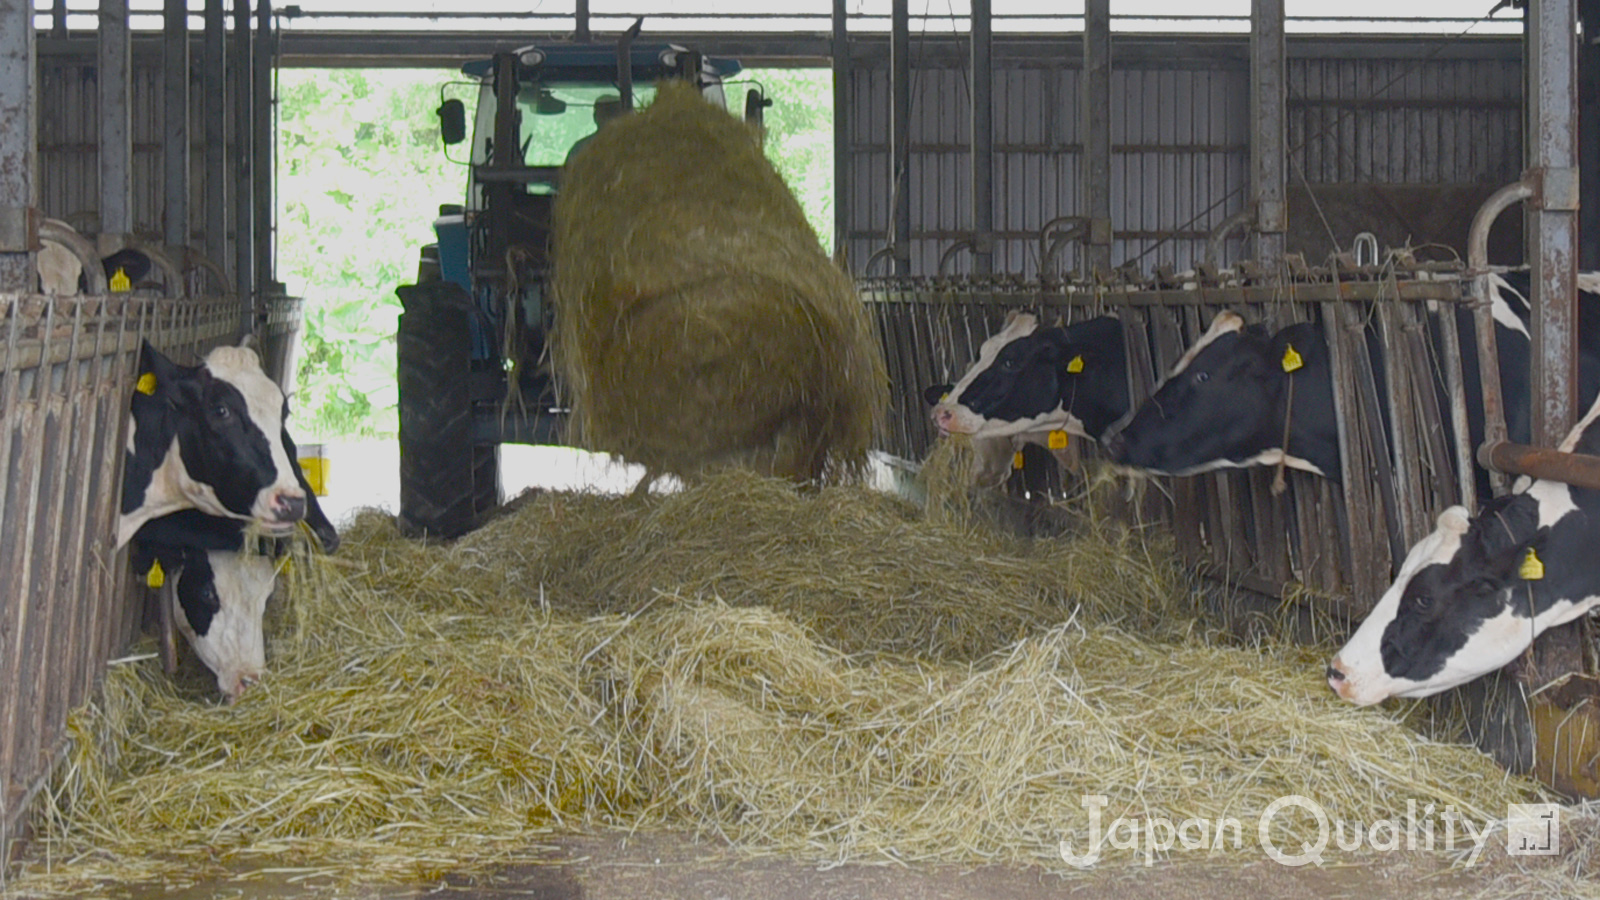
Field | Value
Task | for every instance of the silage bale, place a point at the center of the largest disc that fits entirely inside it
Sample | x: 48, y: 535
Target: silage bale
x: 700, y: 322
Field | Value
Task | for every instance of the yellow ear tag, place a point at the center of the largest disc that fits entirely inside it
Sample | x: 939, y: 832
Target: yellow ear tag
x: 1291, y: 359
x: 1057, y: 440
x: 146, y: 383
x: 1076, y: 365
x: 944, y: 396
x: 1532, y: 567
x: 155, y: 577
x: 120, y: 283
x: 1016, y: 460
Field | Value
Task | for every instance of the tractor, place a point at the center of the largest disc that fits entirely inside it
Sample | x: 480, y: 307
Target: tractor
x: 472, y: 342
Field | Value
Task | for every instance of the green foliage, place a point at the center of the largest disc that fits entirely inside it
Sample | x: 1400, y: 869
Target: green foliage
x: 362, y: 173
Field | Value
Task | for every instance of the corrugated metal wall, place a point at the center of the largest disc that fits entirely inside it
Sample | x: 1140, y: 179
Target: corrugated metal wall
x: 69, y: 125
x: 1443, y: 114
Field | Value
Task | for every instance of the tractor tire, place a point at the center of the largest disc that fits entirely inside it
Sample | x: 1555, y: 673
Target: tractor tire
x: 446, y: 481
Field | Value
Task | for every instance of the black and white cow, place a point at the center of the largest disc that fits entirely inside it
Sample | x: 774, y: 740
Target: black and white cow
x: 1240, y: 396
x: 209, y: 437
x: 1030, y: 380
x: 221, y: 585
x: 1224, y: 404
x: 1475, y: 593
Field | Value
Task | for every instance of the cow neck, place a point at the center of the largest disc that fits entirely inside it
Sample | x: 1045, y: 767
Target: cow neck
x: 1527, y: 586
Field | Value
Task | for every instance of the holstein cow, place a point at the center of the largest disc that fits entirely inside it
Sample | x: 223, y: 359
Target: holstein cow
x: 221, y: 587
x: 1241, y: 396
x: 1029, y: 380
x: 209, y: 437
x: 1226, y: 403
x: 993, y: 459
x: 1474, y: 594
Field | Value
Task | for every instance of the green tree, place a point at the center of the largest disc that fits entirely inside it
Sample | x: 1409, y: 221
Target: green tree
x: 362, y: 173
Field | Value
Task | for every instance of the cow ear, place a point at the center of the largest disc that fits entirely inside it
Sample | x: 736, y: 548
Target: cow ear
x: 935, y: 393
x: 156, y: 371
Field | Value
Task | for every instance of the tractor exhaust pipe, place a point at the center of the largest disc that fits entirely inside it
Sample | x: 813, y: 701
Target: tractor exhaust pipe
x: 625, y: 64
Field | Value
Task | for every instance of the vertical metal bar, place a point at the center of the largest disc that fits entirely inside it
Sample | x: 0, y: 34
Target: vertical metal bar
x: 580, y: 30
x: 58, y: 19
x: 116, y: 143
x: 841, y: 128
x: 982, y: 138
x: 1267, y: 105
x: 19, y: 128
x: 243, y: 193
x: 263, y: 113
x: 1552, y: 223
x: 900, y: 133
x: 1096, y: 124
x: 175, y: 121
x: 213, y: 76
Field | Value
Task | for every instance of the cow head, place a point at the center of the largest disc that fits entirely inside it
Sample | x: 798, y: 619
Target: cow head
x: 1459, y: 608
x: 1216, y: 406
x: 1223, y: 405
x: 221, y: 597
x: 209, y: 437
x: 1031, y: 379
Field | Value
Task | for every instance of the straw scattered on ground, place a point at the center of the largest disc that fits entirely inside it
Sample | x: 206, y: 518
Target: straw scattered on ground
x: 826, y: 674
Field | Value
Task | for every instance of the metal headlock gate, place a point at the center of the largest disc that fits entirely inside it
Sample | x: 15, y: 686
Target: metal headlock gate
x: 1396, y: 333
x: 1395, y: 364
x: 67, y: 605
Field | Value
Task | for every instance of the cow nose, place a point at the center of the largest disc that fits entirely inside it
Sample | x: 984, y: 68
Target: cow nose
x: 943, y: 418
x: 289, y: 509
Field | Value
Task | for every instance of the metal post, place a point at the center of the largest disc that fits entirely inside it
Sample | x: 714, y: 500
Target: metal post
x: 263, y: 112
x: 1551, y: 233
x: 841, y: 128
x: 900, y: 138
x: 175, y: 121
x: 580, y: 32
x: 1589, y: 136
x: 1267, y: 144
x: 116, y: 144
x: 243, y: 194
x: 58, y: 19
x: 214, y: 76
x: 982, y: 139
x: 18, y: 140
x: 1551, y: 221
x: 1096, y: 123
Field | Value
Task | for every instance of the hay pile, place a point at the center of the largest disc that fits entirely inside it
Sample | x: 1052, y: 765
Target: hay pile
x: 700, y: 322
x: 797, y: 674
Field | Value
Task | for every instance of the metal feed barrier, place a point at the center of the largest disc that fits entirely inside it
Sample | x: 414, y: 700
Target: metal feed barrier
x: 67, y: 604
x: 1339, y: 542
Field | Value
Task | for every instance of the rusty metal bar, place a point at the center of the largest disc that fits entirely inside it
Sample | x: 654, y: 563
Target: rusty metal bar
x: 900, y: 133
x: 1552, y: 223
x: 244, y: 241
x: 1096, y: 124
x: 175, y: 122
x: 116, y: 143
x: 841, y: 126
x: 263, y: 113
x: 18, y: 146
x: 1268, y: 163
x: 1576, y: 469
x: 213, y: 76
x: 982, y: 139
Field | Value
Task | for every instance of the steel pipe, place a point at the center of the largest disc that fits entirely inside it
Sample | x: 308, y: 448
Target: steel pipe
x: 116, y: 144
x: 982, y: 140
x: 59, y: 232
x: 841, y: 128
x: 1577, y: 469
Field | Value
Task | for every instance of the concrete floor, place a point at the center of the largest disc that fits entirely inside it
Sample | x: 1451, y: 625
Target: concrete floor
x: 674, y: 867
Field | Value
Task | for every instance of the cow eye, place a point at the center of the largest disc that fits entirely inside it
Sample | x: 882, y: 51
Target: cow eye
x: 221, y: 412
x: 1423, y: 601
x: 1009, y: 365
x: 1202, y: 377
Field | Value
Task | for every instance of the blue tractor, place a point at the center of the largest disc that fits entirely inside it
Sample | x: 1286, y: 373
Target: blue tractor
x: 472, y: 344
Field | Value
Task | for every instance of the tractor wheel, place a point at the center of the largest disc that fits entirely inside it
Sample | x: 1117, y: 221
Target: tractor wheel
x: 446, y: 481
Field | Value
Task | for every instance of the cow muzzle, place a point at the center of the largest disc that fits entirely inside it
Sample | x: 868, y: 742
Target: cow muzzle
x: 283, y: 510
